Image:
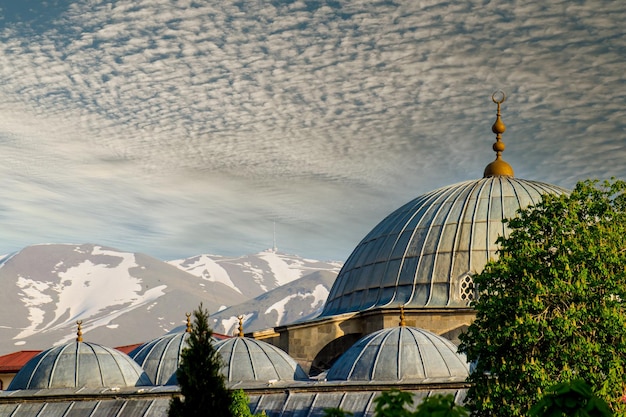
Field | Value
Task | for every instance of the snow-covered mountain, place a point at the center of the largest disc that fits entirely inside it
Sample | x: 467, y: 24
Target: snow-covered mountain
x: 124, y: 298
x: 302, y: 299
x: 253, y: 275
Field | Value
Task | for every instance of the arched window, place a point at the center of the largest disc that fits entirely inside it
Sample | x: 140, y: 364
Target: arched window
x: 468, y: 291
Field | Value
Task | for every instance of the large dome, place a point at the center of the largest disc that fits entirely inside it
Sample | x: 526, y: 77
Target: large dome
x: 78, y: 365
x: 401, y: 354
x: 425, y: 253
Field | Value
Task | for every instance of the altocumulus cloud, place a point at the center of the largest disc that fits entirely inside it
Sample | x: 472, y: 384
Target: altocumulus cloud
x: 179, y: 127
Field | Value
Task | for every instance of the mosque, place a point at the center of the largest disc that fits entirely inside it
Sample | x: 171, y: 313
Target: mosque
x: 391, y: 320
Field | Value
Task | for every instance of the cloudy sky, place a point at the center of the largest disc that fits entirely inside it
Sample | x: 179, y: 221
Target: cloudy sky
x: 180, y: 127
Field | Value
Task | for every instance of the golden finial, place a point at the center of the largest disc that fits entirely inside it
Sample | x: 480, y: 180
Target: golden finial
x: 188, y: 329
x: 498, y: 167
x: 79, y: 332
x: 240, y: 326
x: 402, y: 322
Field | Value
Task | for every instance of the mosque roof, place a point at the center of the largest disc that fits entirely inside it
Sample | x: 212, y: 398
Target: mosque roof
x: 248, y: 360
x: 79, y: 364
x: 160, y: 357
x: 154, y: 401
x: 425, y: 253
x: 401, y: 354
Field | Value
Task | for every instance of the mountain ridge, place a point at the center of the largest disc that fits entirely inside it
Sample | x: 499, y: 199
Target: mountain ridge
x: 124, y: 297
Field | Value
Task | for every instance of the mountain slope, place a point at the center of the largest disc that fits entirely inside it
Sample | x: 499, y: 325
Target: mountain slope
x: 125, y: 298
x: 253, y: 275
x: 299, y: 300
x: 121, y: 297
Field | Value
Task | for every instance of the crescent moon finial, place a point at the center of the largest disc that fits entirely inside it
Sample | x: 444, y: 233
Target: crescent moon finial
x: 498, y: 167
x: 498, y: 97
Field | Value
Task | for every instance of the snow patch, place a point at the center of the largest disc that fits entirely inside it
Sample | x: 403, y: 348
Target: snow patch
x: 283, y: 272
x: 84, y: 291
x: 34, y: 297
x: 319, y: 294
x: 206, y: 268
x: 149, y: 296
x: 231, y: 324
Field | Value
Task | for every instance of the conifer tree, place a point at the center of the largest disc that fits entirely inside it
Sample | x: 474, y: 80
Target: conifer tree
x: 201, y: 383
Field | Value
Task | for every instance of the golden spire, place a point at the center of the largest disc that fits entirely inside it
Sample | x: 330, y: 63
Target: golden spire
x: 188, y: 329
x: 79, y: 332
x: 240, y: 326
x: 402, y: 322
x: 498, y: 167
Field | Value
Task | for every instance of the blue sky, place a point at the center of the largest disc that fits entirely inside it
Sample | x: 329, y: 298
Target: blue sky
x: 176, y: 128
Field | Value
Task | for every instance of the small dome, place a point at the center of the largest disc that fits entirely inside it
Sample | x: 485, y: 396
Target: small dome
x: 425, y: 253
x: 160, y: 357
x: 248, y: 360
x: 77, y: 365
x: 401, y: 354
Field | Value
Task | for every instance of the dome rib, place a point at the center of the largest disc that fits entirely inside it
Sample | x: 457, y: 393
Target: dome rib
x: 472, y: 236
x: 160, y: 357
x: 372, y: 371
x: 457, y: 233
x: 432, y: 220
x: 125, y: 358
x: 443, y: 359
x: 435, y: 199
x: 36, y: 368
x: 430, y: 294
x: 159, y: 370
x: 55, y: 363
x: 98, y: 363
x: 421, y: 357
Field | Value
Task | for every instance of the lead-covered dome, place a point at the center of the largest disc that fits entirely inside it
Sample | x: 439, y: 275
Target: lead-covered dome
x: 160, y: 357
x: 401, y: 354
x: 249, y: 360
x: 425, y: 253
x: 78, y: 365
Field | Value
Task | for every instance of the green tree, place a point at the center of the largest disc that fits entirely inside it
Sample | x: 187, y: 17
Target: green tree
x: 551, y: 307
x: 570, y: 399
x: 393, y: 403
x: 336, y: 412
x: 440, y: 406
x: 201, y: 383
x: 239, y: 406
x: 396, y: 403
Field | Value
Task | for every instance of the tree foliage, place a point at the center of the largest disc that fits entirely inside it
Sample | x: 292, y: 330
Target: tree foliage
x: 239, y: 406
x: 570, y: 399
x: 201, y: 383
x: 440, y: 406
x: 393, y: 403
x: 396, y: 403
x: 551, y: 307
